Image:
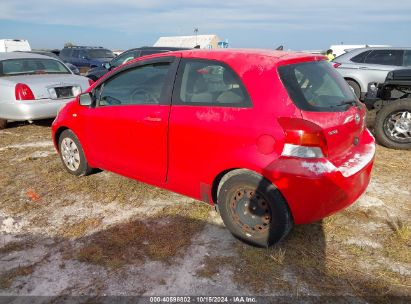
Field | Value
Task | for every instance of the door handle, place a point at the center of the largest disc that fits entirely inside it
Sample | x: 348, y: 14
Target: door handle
x: 153, y: 118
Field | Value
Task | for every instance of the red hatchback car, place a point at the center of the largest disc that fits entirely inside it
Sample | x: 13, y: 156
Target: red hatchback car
x: 272, y: 138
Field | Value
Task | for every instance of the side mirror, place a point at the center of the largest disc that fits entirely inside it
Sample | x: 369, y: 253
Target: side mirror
x: 85, y: 99
x: 107, y: 65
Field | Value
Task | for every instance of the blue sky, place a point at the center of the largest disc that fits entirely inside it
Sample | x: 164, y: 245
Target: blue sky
x: 123, y: 24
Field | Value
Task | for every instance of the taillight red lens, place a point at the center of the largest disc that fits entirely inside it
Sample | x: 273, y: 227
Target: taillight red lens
x: 23, y: 92
x: 90, y: 81
x: 336, y: 64
x: 303, y: 133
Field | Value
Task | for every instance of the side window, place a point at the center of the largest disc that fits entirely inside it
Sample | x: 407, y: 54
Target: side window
x: 407, y: 58
x: 124, y: 58
x: 141, y: 85
x: 65, y: 53
x: 75, y: 53
x: 385, y: 57
x: 145, y: 53
x: 204, y: 82
x: 360, y: 57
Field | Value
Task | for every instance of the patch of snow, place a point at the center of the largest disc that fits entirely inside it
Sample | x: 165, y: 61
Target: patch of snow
x: 363, y: 243
x: 318, y: 168
x: 10, y: 225
x: 358, y: 161
x: 39, y: 144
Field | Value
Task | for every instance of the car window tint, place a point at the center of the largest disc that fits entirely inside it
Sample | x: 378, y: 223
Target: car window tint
x: 203, y: 82
x: 385, y: 57
x: 141, y: 85
x: 65, y: 52
x: 360, y: 57
x: 145, y: 53
x: 407, y: 58
x: 32, y: 66
x: 315, y: 86
x: 124, y: 57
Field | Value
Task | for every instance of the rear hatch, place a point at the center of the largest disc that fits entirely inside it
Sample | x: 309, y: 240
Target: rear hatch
x: 325, y: 99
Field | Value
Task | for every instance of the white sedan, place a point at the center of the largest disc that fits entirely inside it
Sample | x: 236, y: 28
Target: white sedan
x: 34, y: 86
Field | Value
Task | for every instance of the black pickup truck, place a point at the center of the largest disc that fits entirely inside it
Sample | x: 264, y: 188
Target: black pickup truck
x: 392, y: 100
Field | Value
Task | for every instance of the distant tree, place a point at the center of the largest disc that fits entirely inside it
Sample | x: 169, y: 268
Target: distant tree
x: 68, y: 44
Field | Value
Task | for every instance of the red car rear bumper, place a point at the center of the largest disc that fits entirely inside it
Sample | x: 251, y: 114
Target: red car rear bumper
x: 315, y: 189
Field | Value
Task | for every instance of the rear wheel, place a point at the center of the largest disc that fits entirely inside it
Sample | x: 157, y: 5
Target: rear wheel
x: 253, y: 209
x: 393, y: 125
x: 72, y: 155
x: 355, y: 87
x: 3, y: 123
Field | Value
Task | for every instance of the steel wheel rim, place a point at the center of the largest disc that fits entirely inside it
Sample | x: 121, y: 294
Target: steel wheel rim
x: 397, y: 126
x: 70, y: 154
x: 250, y: 211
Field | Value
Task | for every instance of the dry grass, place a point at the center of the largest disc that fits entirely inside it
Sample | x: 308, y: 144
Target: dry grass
x: 213, y: 265
x: 15, y: 246
x: 81, y: 228
x: 7, y: 278
x: 160, y: 238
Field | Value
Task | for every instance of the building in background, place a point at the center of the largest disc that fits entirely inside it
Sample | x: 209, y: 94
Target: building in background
x: 204, y: 41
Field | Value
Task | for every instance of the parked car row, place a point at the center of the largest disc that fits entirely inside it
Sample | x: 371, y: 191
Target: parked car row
x: 96, y: 72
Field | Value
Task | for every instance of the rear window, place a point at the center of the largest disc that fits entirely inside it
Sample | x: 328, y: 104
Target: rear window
x: 316, y: 86
x: 360, y: 57
x: 13, y: 67
x: 100, y: 53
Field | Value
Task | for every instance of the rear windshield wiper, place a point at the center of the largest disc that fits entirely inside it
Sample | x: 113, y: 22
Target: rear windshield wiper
x: 345, y: 103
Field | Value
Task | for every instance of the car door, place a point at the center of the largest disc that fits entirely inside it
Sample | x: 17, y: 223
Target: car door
x: 378, y: 63
x: 210, y: 105
x: 126, y: 131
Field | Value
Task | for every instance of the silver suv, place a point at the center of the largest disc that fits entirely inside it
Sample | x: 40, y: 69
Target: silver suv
x: 359, y: 67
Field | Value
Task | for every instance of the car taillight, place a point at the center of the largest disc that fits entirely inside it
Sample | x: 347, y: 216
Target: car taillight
x: 303, y: 138
x: 23, y: 92
x: 90, y: 81
x: 336, y: 64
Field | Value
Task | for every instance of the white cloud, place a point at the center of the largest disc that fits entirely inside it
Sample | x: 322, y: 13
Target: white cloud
x: 229, y: 17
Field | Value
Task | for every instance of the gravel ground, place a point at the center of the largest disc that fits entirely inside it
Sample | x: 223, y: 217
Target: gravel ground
x: 108, y: 235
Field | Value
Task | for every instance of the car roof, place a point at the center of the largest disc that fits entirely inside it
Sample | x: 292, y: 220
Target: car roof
x: 353, y: 52
x: 275, y: 56
x: 22, y: 55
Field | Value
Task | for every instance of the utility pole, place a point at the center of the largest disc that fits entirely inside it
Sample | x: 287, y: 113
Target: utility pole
x: 196, y: 32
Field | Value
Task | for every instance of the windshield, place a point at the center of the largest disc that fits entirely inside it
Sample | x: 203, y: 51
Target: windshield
x: 316, y: 86
x: 22, y: 66
x: 100, y: 53
x: 123, y: 58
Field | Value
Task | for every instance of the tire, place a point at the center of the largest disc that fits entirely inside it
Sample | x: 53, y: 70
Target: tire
x: 72, y: 154
x: 264, y: 219
x: 356, y: 88
x: 3, y: 123
x: 393, y: 125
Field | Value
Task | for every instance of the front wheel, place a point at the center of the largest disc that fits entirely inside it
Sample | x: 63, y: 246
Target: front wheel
x: 393, y: 125
x: 253, y: 209
x: 72, y: 155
